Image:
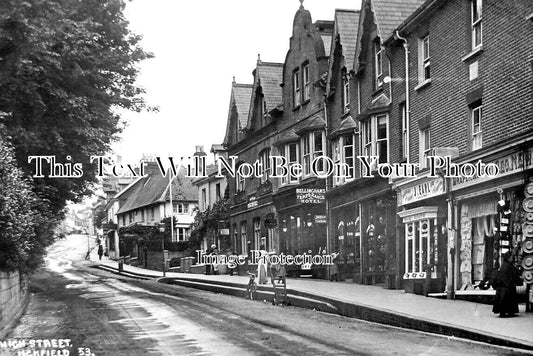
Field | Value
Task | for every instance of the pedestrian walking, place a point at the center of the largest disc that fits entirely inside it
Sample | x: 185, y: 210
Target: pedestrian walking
x: 100, y: 251
x: 505, y: 281
x: 262, y: 265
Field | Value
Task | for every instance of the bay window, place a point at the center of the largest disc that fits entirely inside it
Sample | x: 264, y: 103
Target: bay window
x: 312, y: 147
x: 375, y: 138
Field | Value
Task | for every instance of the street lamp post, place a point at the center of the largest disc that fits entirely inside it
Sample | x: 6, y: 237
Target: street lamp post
x: 162, y: 230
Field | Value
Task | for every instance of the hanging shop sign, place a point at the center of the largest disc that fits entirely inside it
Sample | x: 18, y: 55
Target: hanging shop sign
x: 271, y: 221
x: 507, y: 165
x: 311, y: 195
x: 426, y: 189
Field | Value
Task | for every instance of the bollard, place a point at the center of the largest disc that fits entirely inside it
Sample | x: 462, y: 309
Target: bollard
x: 121, y: 264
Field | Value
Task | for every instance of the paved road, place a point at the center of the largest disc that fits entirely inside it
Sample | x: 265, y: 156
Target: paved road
x: 112, y: 315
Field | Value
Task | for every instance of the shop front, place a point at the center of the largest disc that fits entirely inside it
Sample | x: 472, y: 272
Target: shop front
x: 362, y: 231
x: 422, y: 210
x: 491, y: 214
x: 302, y: 225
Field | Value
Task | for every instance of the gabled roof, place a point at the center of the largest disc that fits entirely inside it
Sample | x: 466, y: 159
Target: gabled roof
x: 269, y: 76
x: 240, y: 98
x: 154, y: 188
x: 390, y: 14
x: 346, y: 25
x: 242, y: 94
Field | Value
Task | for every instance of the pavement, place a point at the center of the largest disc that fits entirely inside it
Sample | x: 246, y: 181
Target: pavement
x: 453, y: 318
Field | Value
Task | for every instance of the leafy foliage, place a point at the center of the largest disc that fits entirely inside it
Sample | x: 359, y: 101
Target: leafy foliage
x: 21, y: 224
x: 207, y: 221
x: 65, y: 67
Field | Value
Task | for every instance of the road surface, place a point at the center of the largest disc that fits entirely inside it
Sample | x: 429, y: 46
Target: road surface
x: 93, y: 312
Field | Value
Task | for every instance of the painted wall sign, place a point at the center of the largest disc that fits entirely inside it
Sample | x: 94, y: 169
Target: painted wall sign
x: 512, y: 163
x: 310, y: 195
x: 427, y: 189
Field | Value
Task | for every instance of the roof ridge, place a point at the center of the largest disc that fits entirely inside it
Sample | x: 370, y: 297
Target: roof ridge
x: 243, y: 85
x: 270, y: 64
x: 348, y: 10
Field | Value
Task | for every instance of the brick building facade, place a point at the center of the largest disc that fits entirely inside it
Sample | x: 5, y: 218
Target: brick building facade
x: 392, y: 84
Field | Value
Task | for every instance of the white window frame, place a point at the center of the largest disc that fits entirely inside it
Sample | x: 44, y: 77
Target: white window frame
x: 424, y: 147
x: 477, y: 132
x: 285, y: 151
x: 346, y: 93
x: 340, y: 147
x: 306, y: 82
x: 309, y: 149
x: 403, y: 118
x: 370, y: 142
x: 240, y: 183
x: 420, y: 255
x: 476, y: 10
x: 183, y: 234
x: 296, y: 89
x: 379, y: 65
x: 264, y: 159
x: 424, y: 72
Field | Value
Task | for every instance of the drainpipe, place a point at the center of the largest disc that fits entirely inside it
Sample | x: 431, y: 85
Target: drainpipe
x: 407, y: 104
x: 328, y: 179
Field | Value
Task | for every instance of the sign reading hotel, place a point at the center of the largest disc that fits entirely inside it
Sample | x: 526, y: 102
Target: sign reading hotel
x: 310, y: 195
x: 426, y: 189
x: 512, y: 163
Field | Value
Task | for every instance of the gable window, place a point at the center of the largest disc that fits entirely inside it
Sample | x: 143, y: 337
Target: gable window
x: 290, y: 152
x: 240, y: 182
x: 425, y: 147
x: 424, y: 73
x: 379, y: 65
x: 306, y: 82
x: 264, y: 159
x: 477, y: 134
x: 477, y: 29
x: 343, y: 153
x: 375, y: 138
x: 312, y: 147
x: 296, y: 90
x: 403, y: 118
x: 345, y: 93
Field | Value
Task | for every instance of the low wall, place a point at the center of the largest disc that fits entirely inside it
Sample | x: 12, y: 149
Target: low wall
x: 13, y: 298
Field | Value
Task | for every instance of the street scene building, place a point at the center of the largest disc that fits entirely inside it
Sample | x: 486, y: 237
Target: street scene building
x: 391, y: 150
x: 396, y: 83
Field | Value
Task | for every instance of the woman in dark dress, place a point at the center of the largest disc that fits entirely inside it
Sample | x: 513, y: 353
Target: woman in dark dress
x: 505, y: 282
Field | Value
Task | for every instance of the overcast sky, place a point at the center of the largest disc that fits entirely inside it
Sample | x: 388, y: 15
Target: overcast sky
x: 199, y: 46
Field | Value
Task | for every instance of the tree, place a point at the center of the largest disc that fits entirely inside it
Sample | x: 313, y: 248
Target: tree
x: 21, y: 224
x: 207, y: 222
x: 65, y: 68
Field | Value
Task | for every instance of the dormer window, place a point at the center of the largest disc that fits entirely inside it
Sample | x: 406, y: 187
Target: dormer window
x: 379, y: 65
x: 345, y: 93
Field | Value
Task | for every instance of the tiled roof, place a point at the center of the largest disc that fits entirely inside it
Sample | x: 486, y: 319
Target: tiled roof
x: 242, y: 94
x: 154, y: 189
x: 391, y: 13
x: 347, y: 125
x: 271, y: 76
x: 347, y: 23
